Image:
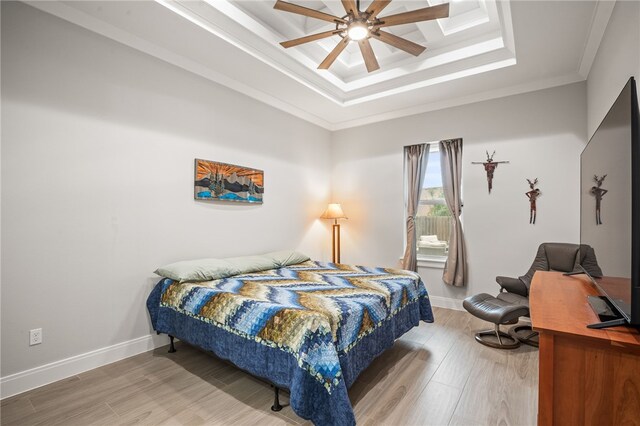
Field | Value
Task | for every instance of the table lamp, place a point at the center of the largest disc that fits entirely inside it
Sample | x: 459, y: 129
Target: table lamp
x: 334, y: 211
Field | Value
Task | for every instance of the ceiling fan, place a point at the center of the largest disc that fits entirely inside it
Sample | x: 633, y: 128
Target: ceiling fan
x: 359, y: 26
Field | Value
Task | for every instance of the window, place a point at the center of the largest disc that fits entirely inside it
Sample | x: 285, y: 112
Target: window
x: 433, y: 221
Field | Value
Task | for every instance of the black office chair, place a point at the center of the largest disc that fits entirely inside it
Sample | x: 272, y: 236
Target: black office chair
x: 513, y: 300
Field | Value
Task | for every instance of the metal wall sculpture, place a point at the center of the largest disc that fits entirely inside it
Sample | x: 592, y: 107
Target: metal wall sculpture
x: 489, y: 166
x: 533, y: 195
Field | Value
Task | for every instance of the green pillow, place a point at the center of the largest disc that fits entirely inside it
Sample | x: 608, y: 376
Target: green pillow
x: 214, y: 269
x: 287, y: 257
x: 197, y: 270
x: 246, y: 264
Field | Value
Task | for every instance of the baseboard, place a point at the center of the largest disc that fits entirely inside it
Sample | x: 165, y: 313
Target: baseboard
x: 43, y: 375
x: 58, y: 370
x: 446, y: 302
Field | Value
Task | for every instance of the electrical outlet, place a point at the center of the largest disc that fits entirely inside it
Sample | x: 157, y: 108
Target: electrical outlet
x: 35, y: 336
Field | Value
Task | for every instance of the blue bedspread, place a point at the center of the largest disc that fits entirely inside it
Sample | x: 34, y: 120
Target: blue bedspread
x: 310, y: 328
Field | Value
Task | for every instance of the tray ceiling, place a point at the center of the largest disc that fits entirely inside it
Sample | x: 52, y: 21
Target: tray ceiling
x: 476, y: 29
x: 485, y: 49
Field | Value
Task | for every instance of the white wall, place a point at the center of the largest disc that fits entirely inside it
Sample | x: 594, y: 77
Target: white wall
x: 98, y: 144
x: 541, y: 133
x: 618, y: 58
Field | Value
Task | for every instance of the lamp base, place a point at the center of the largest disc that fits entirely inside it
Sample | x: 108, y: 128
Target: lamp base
x: 336, y: 242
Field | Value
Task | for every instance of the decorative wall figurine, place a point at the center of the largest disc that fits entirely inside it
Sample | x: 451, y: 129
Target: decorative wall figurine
x: 598, y: 192
x: 533, y: 196
x: 489, y: 166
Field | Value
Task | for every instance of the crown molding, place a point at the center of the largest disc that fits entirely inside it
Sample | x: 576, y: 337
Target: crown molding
x: 90, y: 23
x: 460, y: 101
x: 600, y: 19
x: 599, y: 22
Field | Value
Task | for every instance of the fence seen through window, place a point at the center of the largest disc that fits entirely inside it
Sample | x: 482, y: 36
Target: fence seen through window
x: 433, y: 221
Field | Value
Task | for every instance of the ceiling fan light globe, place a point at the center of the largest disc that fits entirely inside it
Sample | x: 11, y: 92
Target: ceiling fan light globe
x: 358, y: 32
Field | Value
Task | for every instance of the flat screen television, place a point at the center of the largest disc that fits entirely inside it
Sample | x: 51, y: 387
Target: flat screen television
x: 610, y: 209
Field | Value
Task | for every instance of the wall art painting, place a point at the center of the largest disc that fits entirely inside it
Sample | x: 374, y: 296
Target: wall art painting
x: 228, y: 182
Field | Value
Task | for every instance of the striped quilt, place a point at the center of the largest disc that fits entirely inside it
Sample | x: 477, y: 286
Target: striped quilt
x: 317, y: 312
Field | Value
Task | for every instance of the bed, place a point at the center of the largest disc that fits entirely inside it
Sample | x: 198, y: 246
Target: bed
x: 309, y: 327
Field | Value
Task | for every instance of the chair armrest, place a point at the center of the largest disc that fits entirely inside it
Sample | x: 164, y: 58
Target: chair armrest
x: 512, y: 285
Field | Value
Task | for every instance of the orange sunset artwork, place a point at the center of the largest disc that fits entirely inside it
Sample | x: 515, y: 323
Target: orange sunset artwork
x: 228, y: 182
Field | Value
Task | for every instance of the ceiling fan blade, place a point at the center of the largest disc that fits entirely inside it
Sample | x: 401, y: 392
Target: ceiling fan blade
x: 426, y: 14
x: 369, y: 57
x: 399, y: 42
x: 334, y: 54
x: 307, y: 39
x: 376, y: 7
x: 301, y: 10
x: 350, y: 7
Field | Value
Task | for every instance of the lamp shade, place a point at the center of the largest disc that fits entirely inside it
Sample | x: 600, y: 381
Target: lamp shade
x: 333, y: 211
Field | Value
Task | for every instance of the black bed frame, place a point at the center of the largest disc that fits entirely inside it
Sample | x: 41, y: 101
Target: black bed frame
x: 276, y: 402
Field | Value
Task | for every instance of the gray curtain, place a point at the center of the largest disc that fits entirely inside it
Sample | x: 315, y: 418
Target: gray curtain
x: 415, y: 167
x: 451, y: 163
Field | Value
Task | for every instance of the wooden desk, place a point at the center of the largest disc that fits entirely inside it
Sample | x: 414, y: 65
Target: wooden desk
x: 587, y: 377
